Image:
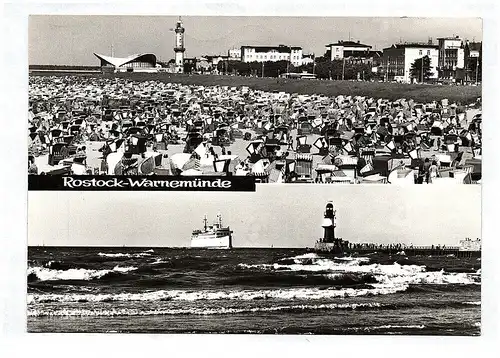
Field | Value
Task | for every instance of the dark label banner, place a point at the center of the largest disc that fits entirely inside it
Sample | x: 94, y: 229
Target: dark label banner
x: 140, y: 183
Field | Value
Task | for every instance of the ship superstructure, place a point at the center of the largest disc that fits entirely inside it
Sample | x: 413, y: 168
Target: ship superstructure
x: 214, y: 236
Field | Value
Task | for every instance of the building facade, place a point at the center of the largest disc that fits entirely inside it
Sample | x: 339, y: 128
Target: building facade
x: 347, y: 49
x: 307, y: 59
x: 144, y: 62
x: 451, y: 58
x: 353, y: 52
x: 397, y: 60
x: 272, y: 53
x: 234, y: 54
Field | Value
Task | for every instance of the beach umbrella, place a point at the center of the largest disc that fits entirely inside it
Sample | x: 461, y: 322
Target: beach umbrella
x: 147, y: 166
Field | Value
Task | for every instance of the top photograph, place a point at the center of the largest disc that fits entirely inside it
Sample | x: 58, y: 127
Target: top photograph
x: 344, y: 100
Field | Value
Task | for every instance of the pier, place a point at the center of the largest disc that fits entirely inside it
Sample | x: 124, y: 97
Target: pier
x: 395, y: 249
x: 331, y: 244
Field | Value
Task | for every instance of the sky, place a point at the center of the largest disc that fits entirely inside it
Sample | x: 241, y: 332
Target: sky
x: 72, y: 40
x: 275, y: 215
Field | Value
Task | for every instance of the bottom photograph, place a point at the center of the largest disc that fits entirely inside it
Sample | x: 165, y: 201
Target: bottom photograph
x: 294, y: 259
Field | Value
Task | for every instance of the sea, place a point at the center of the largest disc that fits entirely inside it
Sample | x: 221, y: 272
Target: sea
x: 250, y: 291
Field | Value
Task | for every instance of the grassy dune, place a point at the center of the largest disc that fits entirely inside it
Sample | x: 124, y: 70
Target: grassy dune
x: 392, y: 91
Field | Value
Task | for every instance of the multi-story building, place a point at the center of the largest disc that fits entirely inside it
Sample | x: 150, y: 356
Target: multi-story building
x: 272, y: 53
x: 351, y: 51
x: 307, y: 59
x: 398, y: 59
x: 214, y: 60
x: 451, y: 57
x: 473, y: 55
x: 345, y: 49
x: 234, y: 54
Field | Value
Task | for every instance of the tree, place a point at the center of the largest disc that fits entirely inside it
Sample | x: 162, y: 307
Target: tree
x: 188, y: 67
x: 420, y: 65
x: 241, y: 68
x: 325, y: 58
x: 474, y: 67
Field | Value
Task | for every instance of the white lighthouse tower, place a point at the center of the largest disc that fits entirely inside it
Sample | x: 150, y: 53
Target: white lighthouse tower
x: 330, y: 243
x: 179, y: 47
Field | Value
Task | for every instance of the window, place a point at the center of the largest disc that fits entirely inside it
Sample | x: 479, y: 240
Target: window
x: 428, y: 52
x: 420, y: 52
x: 337, y: 49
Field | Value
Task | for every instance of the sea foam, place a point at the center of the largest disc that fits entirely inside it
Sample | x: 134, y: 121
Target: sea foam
x: 387, y: 275
x: 119, y: 254
x: 72, y: 312
x: 46, y: 274
x: 305, y: 293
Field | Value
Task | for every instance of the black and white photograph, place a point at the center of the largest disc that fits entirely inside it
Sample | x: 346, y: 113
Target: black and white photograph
x: 256, y: 96
x: 322, y: 263
x: 181, y: 158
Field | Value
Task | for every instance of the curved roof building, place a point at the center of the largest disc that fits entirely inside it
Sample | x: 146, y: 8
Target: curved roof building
x: 143, y: 62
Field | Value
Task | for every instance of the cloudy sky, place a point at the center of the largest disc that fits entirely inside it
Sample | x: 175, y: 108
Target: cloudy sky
x: 279, y: 215
x: 72, y: 40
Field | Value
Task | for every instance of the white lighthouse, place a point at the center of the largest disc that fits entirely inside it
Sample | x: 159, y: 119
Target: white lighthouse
x: 330, y: 243
x: 329, y: 223
x: 179, y: 47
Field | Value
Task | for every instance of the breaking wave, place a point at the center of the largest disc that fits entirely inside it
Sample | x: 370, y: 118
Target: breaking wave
x: 47, y: 274
x: 183, y: 295
x: 199, y: 311
x: 119, y: 254
x: 388, y: 275
x: 390, y: 326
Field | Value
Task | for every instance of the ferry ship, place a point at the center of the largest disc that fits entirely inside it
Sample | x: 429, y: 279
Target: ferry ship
x: 212, y: 237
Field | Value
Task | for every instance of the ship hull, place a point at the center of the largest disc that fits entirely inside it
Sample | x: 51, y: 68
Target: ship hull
x: 223, y: 242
